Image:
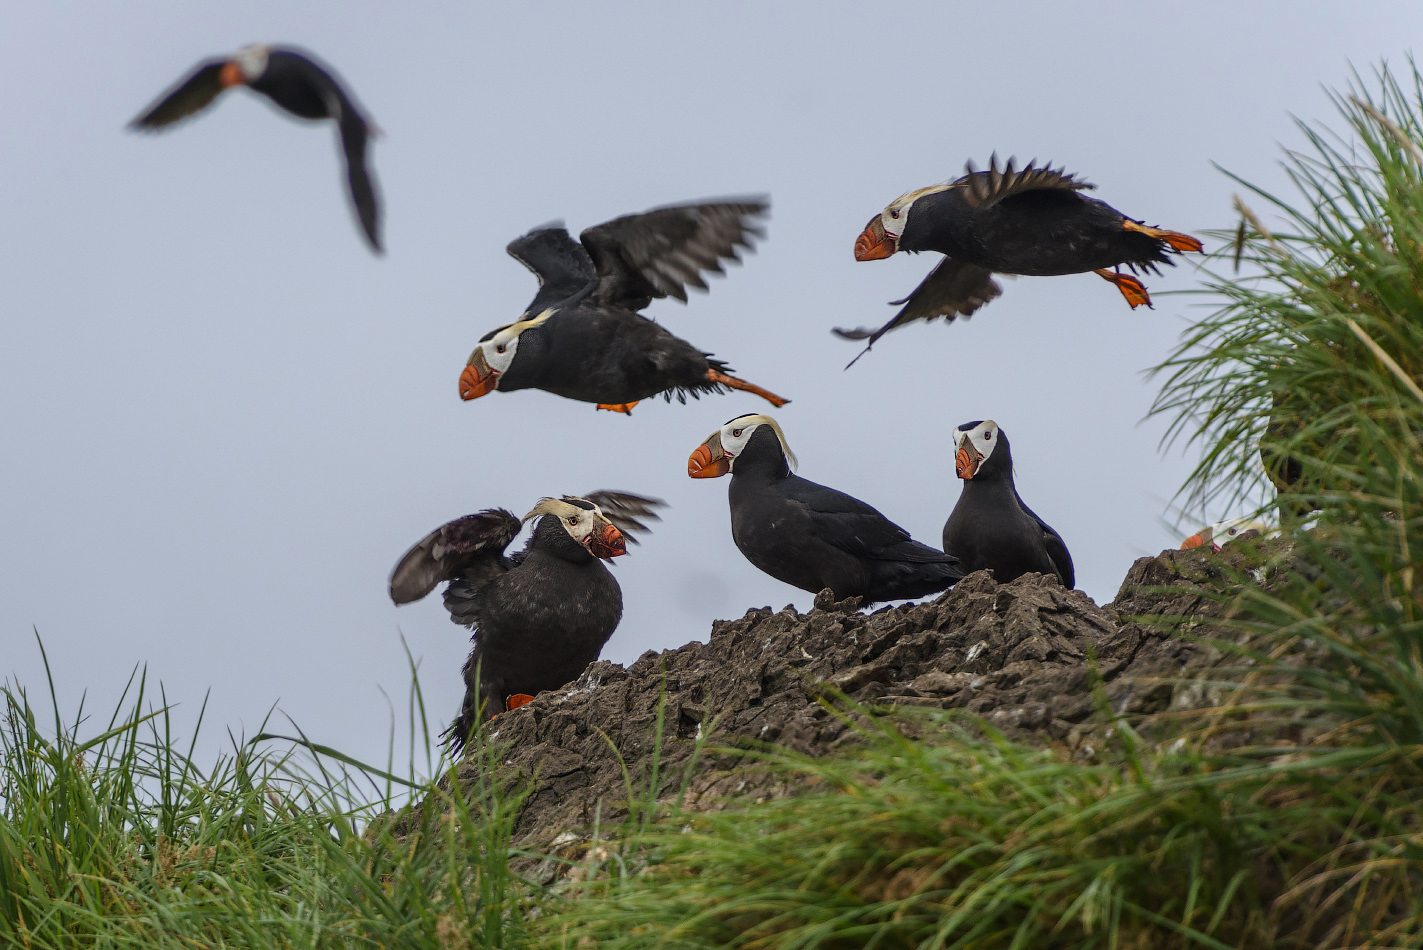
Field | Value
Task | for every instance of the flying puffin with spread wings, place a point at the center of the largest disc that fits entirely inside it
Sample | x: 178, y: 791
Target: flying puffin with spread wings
x: 1032, y: 221
x: 539, y: 616
x: 293, y: 80
x: 582, y: 336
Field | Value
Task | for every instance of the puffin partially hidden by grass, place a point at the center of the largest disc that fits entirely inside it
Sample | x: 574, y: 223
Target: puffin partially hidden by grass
x: 1031, y: 221
x: 301, y: 87
x: 582, y: 336
x: 810, y: 536
x: 539, y: 616
x: 990, y: 527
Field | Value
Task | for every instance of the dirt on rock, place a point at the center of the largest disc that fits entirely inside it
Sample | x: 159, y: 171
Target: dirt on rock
x: 1020, y: 655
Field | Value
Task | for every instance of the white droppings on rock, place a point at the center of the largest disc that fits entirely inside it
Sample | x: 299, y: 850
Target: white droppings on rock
x: 975, y: 650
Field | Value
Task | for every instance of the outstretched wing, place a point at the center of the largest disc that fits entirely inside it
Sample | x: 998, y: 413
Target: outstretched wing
x: 642, y: 257
x: 1056, y: 547
x: 560, y: 263
x: 355, y: 134
x: 951, y: 289
x: 626, y: 511
x: 469, y: 548
x: 189, y: 97
x: 981, y: 189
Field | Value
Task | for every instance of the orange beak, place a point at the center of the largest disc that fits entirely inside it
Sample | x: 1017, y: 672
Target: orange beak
x: 1199, y: 539
x: 708, y: 460
x: 609, y: 544
x: 874, y: 244
x: 966, y: 460
x: 230, y: 75
x: 477, y: 379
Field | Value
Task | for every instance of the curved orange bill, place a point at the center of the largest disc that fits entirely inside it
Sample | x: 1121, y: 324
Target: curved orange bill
x: 609, y: 544
x: 477, y: 379
x: 516, y: 700
x: 874, y: 244
x: 708, y: 460
x: 966, y: 460
x: 1200, y: 539
x: 230, y: 75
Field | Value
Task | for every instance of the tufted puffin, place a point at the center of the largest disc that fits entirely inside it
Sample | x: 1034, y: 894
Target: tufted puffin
x: 582, y: 336
x: 539, y: 616
x: 1222, y: 533
x: 296, y: 83
x: 1034, y: 221
x: 990, y: 527
x: 807, y: 535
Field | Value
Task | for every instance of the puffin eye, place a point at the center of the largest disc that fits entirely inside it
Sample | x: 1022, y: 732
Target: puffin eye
x: 736, y: 433
x: 894, y: 213
x: 500, y: 348
x: 572, y: 520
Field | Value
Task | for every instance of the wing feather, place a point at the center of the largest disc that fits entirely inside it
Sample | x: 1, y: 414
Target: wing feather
x: 627, y: 511
x: 469, y: 548
x: 985, y: 188
x: 194, y: 93
x: 952, y: 289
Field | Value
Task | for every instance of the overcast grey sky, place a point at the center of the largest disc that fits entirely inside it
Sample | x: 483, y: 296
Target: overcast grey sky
x: 224, y: 420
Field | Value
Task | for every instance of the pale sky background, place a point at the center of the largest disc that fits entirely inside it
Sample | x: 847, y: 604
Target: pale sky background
x: 223, y: 420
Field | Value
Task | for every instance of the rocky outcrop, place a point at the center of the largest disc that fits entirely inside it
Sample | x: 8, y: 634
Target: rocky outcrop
x: 1020, y: 655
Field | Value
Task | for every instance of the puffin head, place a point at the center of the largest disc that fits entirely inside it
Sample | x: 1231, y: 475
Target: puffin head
x: 881, y: 237
x: 717, y: 455
x: 974, y: 444
x: 246, y: 65
x: 494, y: 355
x: 585, y: 524
x: 1221, y: 534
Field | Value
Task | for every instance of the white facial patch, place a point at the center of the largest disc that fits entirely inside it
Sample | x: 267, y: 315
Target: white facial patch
x: 500, y: 348
x: 896, y: 214
x: 983, y: 437
x: 252, y: 60
x: 579, y: 524
x: 736, y: 433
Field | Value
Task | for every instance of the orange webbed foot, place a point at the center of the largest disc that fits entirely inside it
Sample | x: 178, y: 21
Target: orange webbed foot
x: 731, y: 382
x: 1177, y: 240
x: 624, y: 407
x: 1131, y: 288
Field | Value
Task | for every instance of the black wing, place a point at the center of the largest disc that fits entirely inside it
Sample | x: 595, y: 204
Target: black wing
x: 951, y: 289
x: 643, y: 257
x: 560, y: 263
x: 981, y: 189
x: 1056, y: 547
x: 625, y: 510
x: 469, y: 548
x: 355, y: 134
x: 189, y: 97
x: 860, y: 529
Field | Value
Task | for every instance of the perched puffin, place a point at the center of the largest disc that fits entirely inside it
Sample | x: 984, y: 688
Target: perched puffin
x: 1034, y: 221
x: 1222, y: 533
x: 990, y: 527
x: 296, y: 83
x: 582, y: 336
x: 810, y: 536
x: 539, y: 616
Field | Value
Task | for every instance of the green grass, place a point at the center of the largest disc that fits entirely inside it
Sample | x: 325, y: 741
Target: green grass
x: 1289, y: 816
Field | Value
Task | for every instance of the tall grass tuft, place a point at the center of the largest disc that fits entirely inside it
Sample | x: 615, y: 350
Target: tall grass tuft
x: 121, y: 840
x: 1305, y: 829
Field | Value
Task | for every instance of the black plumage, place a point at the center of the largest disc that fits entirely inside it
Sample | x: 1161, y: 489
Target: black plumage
x: 582, y: 336
x: 299, y: 85
x: 539, y: 616
x: 810, y: 536
x: 990, y: 527
x: 1032, y: 221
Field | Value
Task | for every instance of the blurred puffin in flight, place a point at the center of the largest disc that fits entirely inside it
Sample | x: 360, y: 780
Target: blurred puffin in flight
x: 1031, y: 221
x: 807, y: 535
x: 582, y: 336
x: 297, y: 84
x: 990, y: 527
x: 539, y: 616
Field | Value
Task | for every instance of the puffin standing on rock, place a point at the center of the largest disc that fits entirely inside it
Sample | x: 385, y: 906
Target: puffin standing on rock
x: 990, y: 527
x: 296, y: 83
x: 582, y: 336
x: 1033, y: 221
x: 810, y: 536
x: 539, y: 616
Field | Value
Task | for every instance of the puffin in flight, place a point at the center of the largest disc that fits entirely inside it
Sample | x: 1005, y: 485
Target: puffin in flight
x: 582, y: 336
x: 1032, y: 221
x: 990, y: 527
x: 300, y: 86
x: 810, y: 536
x: 539, y: 616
